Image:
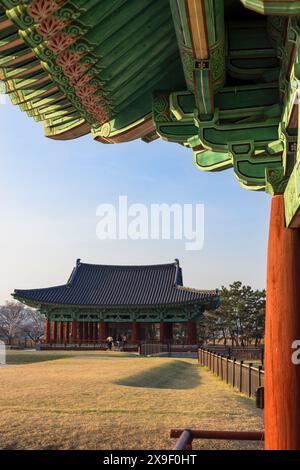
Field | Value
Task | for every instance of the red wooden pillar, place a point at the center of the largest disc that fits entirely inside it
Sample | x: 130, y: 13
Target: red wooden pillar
x: 59, y: 332
x: 54, y: 332
x: 80, y: 331
x: 134, y: 332
x: 191, y: 332
x: 51, y: 331
x: 90, y: 332
x: 85, y: 332
x: 162, y: 332
x: 282, y: 373
x: 74, y: 331
x: 47, y: 331
x: 62, y: 331
x: 95, y: 331
x: 65, y: 332
x: 103, y: 331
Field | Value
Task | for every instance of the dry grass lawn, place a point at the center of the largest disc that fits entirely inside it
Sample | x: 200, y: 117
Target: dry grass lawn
x: 98, y: 400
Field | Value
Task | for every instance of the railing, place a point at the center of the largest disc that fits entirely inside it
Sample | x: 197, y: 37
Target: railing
x: 244, y: 377
x: 248, y: 353
x: 86, y: 345
x: 186, y: 436
x: 150, y: 349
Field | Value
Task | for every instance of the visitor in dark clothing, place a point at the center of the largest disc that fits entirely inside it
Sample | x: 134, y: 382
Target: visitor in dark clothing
x: 109, y: 342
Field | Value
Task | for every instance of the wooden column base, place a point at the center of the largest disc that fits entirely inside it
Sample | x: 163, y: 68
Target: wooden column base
x: 282, y: 376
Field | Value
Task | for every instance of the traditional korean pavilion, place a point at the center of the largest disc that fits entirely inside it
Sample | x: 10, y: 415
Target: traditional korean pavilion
x: 102, y: 300
x: 221, y: 77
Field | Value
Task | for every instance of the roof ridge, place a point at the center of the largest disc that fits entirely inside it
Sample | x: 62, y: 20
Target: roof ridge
x: 130, y: 266
x: 202, y: 291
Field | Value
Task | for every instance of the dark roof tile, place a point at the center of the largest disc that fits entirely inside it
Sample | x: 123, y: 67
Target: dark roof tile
x: 104, y: 285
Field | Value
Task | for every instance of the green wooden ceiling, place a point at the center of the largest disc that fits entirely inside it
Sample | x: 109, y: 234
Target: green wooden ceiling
x: 218, y: 76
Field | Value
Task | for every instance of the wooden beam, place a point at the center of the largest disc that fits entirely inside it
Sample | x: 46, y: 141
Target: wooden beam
x: 198, y: 28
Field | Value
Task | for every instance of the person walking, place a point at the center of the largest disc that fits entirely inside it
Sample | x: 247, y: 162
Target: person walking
x: 119, y: 342
x: 109, y: 342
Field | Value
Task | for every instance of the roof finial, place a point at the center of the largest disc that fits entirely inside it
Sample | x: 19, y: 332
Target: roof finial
x: 78, y: 261
x: 176, y: 261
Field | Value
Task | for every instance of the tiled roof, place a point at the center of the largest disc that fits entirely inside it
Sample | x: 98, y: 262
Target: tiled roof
x: 104, y: 285
x: 76, y: 65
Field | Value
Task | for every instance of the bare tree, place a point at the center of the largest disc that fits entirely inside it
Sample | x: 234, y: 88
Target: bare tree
x: 12, y: 320
x: 34, y: 325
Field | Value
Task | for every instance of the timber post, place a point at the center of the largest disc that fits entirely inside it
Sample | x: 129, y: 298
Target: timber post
x: 74, y: 331
x: 47, y: 331
x: 134, y: 332
x: 102, y: 331
x: 282, y: 376
x: 191, y: 332
x: 162, y: 332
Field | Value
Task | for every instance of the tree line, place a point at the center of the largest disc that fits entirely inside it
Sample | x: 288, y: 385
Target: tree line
x: 240, y: 319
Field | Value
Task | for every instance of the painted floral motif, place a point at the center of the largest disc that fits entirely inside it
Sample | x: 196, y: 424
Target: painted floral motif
x: 50, y: 26
x: 86, y: 91
x: 75, y: 72
x: 68, y: 58
x: 60, y: 41
x: 83, y: 80
x: 41, y: 9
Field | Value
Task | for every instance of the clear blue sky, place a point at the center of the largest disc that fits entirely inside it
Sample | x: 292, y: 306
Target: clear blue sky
x: 50, y: 191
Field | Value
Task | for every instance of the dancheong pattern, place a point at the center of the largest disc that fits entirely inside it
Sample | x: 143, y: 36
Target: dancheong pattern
x: 219, y: 77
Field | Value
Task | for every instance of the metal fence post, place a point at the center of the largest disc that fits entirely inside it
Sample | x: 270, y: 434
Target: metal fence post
x: 259, y: 375
x: 233, y: 372
x: 227, y: 362
x: 241, y: 375
x: 250, y: 379
x: 262, y: 354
